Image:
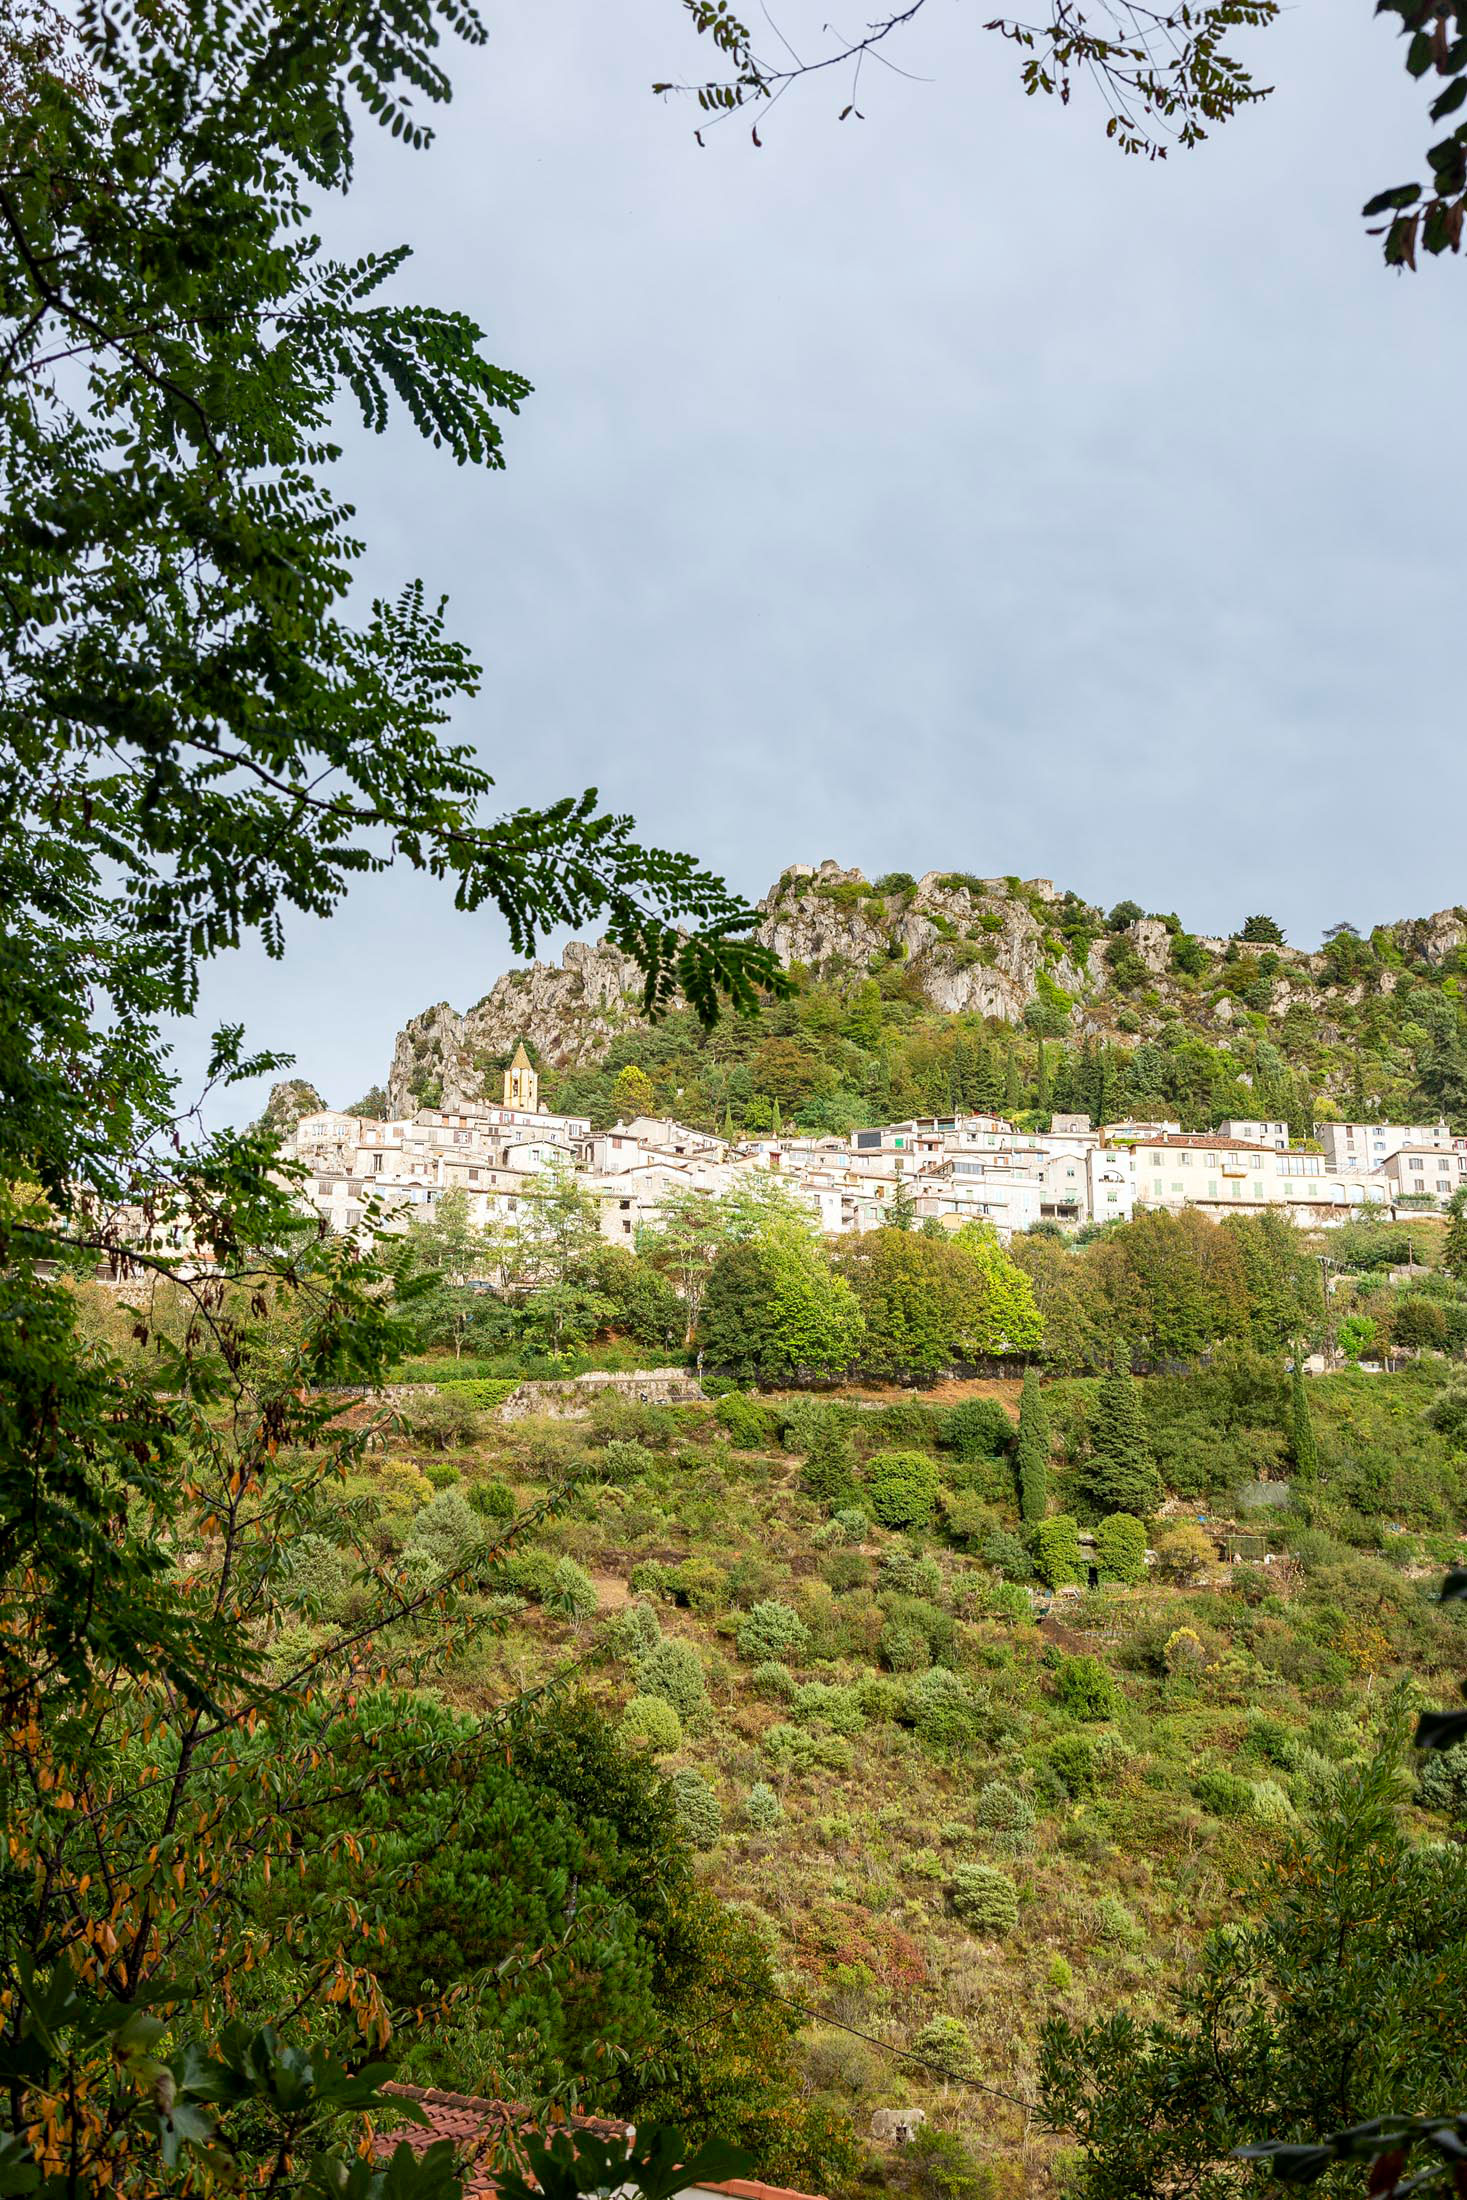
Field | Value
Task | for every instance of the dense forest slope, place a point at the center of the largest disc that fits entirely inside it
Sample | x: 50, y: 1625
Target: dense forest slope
x: 917, y: 996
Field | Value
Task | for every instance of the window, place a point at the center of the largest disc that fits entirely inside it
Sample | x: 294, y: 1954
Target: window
x: 1177, y: 1190
x: 1212, y: 1187
x: 1184, y: 1161
x: 1257, y: 1187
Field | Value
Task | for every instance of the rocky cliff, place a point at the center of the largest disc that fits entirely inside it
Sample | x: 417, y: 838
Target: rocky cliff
x: 1005, y: 948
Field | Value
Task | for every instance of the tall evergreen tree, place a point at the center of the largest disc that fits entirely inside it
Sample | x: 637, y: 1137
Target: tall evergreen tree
x: 1041, y: 1080
x: 1301, y: 1427
x: 1120, y: 1474
x: 1012, y: 1086
x: 1032, y: 1456
x: 1454, y: 1244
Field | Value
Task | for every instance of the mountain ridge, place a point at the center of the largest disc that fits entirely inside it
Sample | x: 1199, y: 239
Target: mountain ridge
x: 997, y: 954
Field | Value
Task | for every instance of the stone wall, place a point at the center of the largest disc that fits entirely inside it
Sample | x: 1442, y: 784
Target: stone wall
x: 660, y: 1386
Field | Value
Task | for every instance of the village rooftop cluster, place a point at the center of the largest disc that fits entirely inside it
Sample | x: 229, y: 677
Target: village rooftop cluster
x: 950, y: 1169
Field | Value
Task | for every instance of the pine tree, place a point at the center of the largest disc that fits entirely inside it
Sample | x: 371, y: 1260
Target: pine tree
x: 902, y: 1213
x: 1032, y: 1456
x: 1301, y: 1427
x: 1454, y: 1244
x: 1120, y: 1474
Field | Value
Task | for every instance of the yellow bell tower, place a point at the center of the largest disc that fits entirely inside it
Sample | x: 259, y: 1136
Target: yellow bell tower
x: 521, y: 1083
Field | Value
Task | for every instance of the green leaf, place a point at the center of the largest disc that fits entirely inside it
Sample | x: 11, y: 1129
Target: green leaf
x: 1385, y: 202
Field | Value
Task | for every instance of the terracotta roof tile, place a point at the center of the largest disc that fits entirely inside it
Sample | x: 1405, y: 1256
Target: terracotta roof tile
x: 479, y: 2128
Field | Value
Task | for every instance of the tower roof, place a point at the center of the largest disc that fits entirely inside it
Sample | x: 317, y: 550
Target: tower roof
x: 521, y: 1059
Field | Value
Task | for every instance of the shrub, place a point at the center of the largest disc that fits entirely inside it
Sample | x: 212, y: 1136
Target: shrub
x: 839, y: 1708
x: 493, y: 1501
x: 1057, y: 1551
x: 909, y: 1573
x: 701, y: 1586
x: 985, y: 1899
x: 1225, y: 1794
x: 402, y: 1487
x: 318, y: 1577
x: 1008, y: 1554
x: 572, y: 1592
x: 802, y: 1749
x: 774, y: 1630
x: 846, y: 1570
x: 449, y: 1528
x: 774, y: 1682
x: 879, y: 1697
x: 1075, y: 1765
x: 653, y: 1577
x: 1441, y: 1784
x: 442, y: 1473
x: 852, y: 1523
x: 903, y: 1649
x: 1120, y: 1548
x: 944, y: 2044
x: 673, y: 1670
x: 633, y: 1631
x: 531, y: 1573
x: 907, y: 1423
x: 1005, y: 1812
x: 902, y: 1487
x: 440, y: 1422
x: 940, y: 1708
x: 968, y: 1517
x: 1184, y: 1551
x: 1006, y: 1600
x: 622, y: 1462
x: 651, y: 1723
x: 829, y: 1472
x: 762, y: 1807
x: 977, y: 1429
x: 696, y: 1806
x: 1084, y: 1688
x: 747, y: 1425
x: 1113, y: 1923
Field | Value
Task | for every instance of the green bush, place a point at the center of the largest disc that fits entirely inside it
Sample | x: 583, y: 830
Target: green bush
x: 442, y: 1473
x: 1120, y: 1548
x: 846, y: 1570
x: 762, y: 1808
x: 903, y: 1649
x: 1441, y: 1784
x: 829, y: 1472
x: 945, y: 2045
x: 1007, y: 1553
x: 701, y: 1586
x: 968, y: 1518
x: 1083, y: 1687
x: 450, y: 1529
x: 1116, y: 1925
x: 985, y: 1899
x: 653, y: 1577
x: 440, y: 1422
x: 633, y: 1631
x: 1225, y: 1794
x: 531, y: 1573
x: 572, y: 1592
x: 852, y: 1523
x: 839, y: 1708
x: 480, y: 1393
x: 1057, y: 1551
x: 775, y: 1683
x: 803, y: 1749
x: 318, y: 1577
x: 1074, y: 1764
x: 1006, y: 1812
x: 696, y: 1806
x: 747, y: 1425
x: 977, y: 1429
x: 939, y: 1707
x: 623, y: 1462
x: 905, y: 1424
x: 651, y: 1723
x: 493, y: 1501
x: 902, y: 1487
x: 672, y: 1669
x: 909, y: 1573
x: 774, y: 1630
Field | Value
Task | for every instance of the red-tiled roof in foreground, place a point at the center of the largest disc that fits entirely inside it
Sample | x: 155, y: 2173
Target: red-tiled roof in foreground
x: 478, y: 2128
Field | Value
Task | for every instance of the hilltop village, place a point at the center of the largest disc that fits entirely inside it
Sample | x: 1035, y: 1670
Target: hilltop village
x: 949, y: 1170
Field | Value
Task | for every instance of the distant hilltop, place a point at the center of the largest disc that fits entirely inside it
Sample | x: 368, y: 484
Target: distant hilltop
x: 1018, y: 952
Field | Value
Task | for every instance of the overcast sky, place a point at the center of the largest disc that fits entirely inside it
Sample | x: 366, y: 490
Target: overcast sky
x: 938, y: 490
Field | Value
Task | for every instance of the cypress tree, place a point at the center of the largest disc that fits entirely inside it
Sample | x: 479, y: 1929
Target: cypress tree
x: 1012, y: 1090
x: 1454, y: 1244
x: 1032, y: 1455
x: 1041, y: 1080
x: 1301, y: 1428
x: 1120, y: 1474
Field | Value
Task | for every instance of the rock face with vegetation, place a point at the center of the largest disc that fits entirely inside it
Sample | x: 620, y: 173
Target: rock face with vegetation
x: 918, y: 995
x: 292, y: 1098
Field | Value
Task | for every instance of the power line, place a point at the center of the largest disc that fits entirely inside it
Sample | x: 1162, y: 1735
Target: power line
x: 903, y: 2054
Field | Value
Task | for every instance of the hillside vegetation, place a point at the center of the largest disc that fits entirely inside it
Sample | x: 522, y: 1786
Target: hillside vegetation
x: 917, y: 997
